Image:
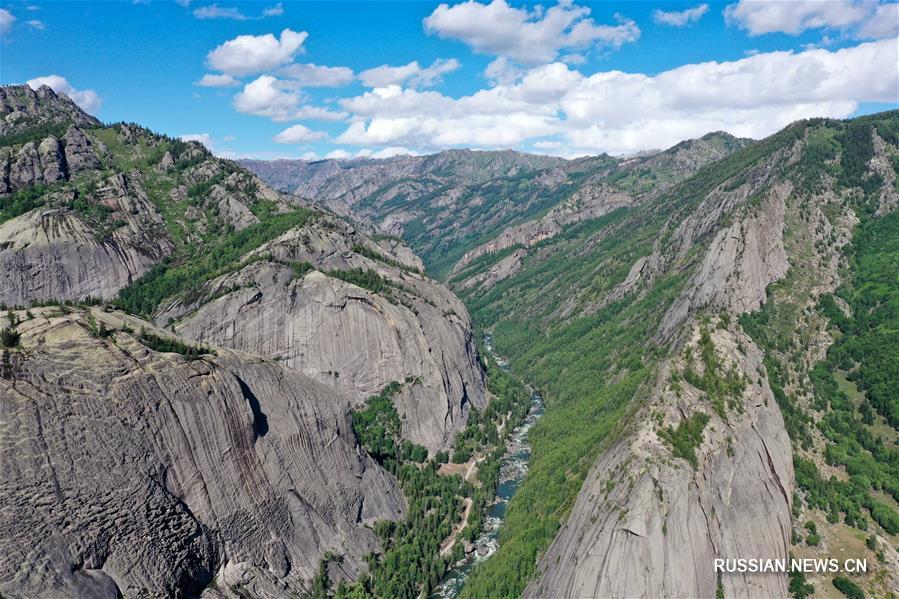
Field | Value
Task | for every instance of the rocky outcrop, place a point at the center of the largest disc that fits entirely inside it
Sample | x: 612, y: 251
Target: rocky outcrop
x: 47, y: 162
x: 586, y: 203
x: 344, y: 335
x: 22, y: 109
x: 124, y: 471
x: 56, y: 253
x: 80, y: 150
x: 880, y: 165
x: 503, y: 269
x: 647, y: 524
x: 741, y: 262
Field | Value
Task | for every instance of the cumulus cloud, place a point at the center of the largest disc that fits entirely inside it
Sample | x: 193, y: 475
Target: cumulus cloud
x: 271, y: 97
x: 527, y: 36
x: 35, y: 24
x: 759, y: 17
x: 680, y: 18
x: 629, y: 112
x: 313, y: 75
x: 6, y: 20
x: 411, y: 74
x: 299, y: 134
x: 87, y: 99
x: 203, y: 138
x: 248, y: 54
x: 882, y: 24
x: 502, y: 71
x: 209, y: 80
x: 338, y: 155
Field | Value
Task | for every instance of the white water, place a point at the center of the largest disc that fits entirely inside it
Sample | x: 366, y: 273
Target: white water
x: 513, y: 468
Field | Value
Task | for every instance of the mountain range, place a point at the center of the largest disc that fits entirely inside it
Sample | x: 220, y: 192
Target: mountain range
x: 266, y: 378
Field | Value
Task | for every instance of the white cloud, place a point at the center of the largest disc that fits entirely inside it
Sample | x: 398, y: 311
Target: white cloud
x: 680, y: 18
x: 882, y: 24
x: 248, y: 54
x: 338, y: 155
x: 270, y: 97
x: 318, y: 113
x: 765, y: 16
x: 299, y: 134
x: 87, y: 99
x: 209, y: 80
x: 34, y: 23
x: 310, y: 156
x: 265, y: 96
x: 502, y: 71
x: 203, y: 138
x: 391, y: 151
x: 313, y: 75
x: 6, y: 20
x: 214, y: 11
x: 412, y: 74
x: 527, y: 36
x: 273, y: 11
x: 628, y: 112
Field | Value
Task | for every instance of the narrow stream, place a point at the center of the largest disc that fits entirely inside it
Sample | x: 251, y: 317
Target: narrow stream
x: 513, y: 468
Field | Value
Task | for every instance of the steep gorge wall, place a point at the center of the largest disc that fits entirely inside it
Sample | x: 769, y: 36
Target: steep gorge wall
x: 127, y: 471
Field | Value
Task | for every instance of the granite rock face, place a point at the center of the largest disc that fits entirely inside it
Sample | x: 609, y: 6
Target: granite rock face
x: 344, y: 335
x: 742, y: 261
x: 23, y: 108
x: 647, y: 524
x: 127, y: 471
x: 57, y: 254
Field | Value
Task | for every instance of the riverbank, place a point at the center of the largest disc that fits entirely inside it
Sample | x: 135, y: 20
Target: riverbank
x: 513, y: 468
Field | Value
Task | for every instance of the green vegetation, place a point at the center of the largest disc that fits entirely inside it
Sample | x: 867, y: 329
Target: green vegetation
x: 9, y: 337
x: 36, y: 134
x: 367, y: 279
x: 799, y: 587
x: 848, y: 588
x: 378, y: 429
x: 686, y: 437
x: 21, y: 202
x: 185, y: 274
x: 168, y: 344
x: 723, y: 391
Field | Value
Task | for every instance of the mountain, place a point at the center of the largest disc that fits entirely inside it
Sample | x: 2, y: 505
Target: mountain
x: 719, y: 374
x: 452, y: 205
x: 129, y: 469
x: 281, y: 395
x: 433, y: 202
x: 121, y: 249
x: 630, y: 182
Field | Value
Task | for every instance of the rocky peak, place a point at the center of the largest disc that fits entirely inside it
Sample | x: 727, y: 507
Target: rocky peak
x: 23, y: 109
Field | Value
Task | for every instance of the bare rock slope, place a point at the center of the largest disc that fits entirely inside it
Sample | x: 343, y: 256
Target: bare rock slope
x: 127, y: 471
x: 647, y: 524
x: 354, y: 334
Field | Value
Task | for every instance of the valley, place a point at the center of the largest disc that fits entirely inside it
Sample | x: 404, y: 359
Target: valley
x: 287, y: 375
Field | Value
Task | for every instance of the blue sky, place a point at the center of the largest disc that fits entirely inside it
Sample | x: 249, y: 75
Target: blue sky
x: 571, y: 78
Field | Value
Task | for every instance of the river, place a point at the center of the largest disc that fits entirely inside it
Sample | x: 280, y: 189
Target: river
x: 513, y: 468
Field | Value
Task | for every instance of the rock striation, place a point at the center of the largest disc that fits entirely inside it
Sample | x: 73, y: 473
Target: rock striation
x: 56, y: 253
x: 647, y: 524
x: 124, y: 471
x: 345, y: 335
